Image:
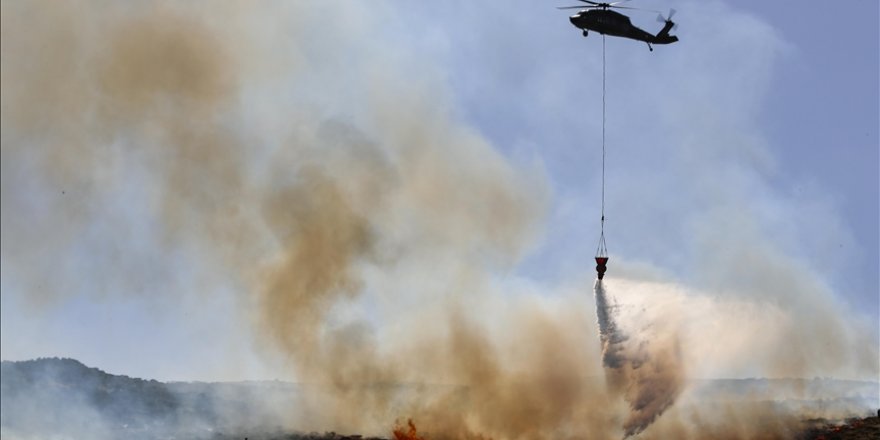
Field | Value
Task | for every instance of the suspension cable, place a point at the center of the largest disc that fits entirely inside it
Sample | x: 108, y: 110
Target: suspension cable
x: 603, y: 133
x: 602, y: 250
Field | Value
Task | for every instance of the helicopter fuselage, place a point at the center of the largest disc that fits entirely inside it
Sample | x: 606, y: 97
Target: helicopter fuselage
x: 609, y: 22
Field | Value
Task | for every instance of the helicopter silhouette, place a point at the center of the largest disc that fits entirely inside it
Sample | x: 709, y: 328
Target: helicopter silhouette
x: 600, y: 18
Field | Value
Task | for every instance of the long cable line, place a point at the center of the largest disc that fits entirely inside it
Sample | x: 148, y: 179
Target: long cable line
x: 602, y: 251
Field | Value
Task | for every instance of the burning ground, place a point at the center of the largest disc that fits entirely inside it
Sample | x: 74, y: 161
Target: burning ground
x: 365, y: 234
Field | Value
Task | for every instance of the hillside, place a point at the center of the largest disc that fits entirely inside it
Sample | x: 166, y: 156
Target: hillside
x: 62, y: 398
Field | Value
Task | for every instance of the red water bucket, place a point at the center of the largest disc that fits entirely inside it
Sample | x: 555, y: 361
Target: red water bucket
x: 600, y: 266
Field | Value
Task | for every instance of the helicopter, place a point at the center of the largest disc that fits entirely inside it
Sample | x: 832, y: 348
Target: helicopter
x: 599, y: 17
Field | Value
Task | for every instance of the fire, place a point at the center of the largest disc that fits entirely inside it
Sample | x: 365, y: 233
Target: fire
x: 406, y: 433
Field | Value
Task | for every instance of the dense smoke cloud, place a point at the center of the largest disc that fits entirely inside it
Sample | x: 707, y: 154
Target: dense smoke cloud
x: 369, y: 234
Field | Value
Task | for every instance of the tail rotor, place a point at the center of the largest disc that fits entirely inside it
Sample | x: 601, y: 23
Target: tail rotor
x: 668, y: 18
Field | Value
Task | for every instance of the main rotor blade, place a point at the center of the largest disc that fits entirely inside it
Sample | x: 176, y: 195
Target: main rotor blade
x: 634, y: 9
x: 604, y: 4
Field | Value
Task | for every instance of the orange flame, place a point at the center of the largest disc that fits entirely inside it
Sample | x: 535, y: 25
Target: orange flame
x: 406, y: 433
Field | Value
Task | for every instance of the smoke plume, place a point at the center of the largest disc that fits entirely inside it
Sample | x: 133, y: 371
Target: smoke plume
x: 368, y: 234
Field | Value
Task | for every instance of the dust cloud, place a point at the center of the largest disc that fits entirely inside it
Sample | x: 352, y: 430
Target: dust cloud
x: 369, y: 233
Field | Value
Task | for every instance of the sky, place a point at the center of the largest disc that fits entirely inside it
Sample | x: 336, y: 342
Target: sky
x: 742, y: 162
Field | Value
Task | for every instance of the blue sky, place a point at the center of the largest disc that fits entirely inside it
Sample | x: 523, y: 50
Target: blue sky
x: 747, y: 150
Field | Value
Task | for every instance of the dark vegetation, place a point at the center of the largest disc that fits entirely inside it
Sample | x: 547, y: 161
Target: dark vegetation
x: 867, y: 428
